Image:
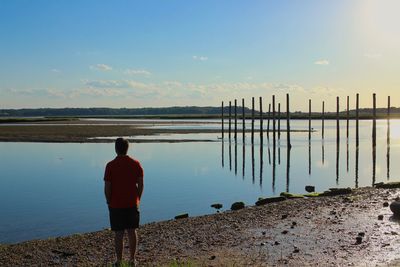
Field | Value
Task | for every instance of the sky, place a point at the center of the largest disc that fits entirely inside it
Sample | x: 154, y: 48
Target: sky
x: 198, y: 53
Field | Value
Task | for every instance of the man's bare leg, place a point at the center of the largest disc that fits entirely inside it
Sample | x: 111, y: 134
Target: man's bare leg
x: 133, y: 241
x: 119, y: 238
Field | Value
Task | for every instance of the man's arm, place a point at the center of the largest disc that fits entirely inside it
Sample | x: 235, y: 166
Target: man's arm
x: 107, y: 191
x: 140, y: 187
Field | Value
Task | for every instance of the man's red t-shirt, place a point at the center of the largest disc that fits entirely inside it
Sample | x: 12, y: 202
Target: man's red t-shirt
x: 123, y: 172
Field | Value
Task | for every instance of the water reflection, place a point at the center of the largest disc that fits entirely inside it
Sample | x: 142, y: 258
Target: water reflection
x: 388, y: 150
x: 235, y: 158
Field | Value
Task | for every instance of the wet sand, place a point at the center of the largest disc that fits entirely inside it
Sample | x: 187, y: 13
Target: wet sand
x: 92, y: 131
x: 319, y: 231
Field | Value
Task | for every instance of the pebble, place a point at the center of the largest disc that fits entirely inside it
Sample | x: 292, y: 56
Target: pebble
x: 361, y: 234
x: 385, y: 204
x: 284, y: 216
x: 380, y: 217
x: 284, y: 232
x: 359, y: 239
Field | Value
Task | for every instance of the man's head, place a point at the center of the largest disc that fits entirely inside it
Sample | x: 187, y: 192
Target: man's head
x: 121, y: 146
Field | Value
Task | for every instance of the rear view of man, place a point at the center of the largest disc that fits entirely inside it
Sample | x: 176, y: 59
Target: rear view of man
x: 123, y: 190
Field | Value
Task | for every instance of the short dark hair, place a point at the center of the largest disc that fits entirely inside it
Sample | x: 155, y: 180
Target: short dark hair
x: 121, y: 146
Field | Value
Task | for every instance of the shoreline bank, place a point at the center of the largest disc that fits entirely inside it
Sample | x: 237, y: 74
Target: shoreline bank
x: 294, y: 232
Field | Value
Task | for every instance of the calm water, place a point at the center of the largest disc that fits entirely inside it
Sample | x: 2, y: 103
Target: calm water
x: 57, y: 189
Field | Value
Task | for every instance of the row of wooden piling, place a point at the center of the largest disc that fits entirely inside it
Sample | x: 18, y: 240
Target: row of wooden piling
x: 278, y: 117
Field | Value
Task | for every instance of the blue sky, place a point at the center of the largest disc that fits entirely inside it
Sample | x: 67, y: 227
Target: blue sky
x: 167, y: 53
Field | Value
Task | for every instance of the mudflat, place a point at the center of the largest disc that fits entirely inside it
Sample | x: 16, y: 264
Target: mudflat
x: 343, y: 230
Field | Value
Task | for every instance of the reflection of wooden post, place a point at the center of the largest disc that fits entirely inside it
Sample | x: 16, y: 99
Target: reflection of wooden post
x: 323, y: 119
x: 244, y: 120
x: 347, y: 118
x: 279, y: 120
x: 252, y: 120
x: 230, y: 117
x: 288, y: 122
x: 261, y: 119
x: 235, y: 120
x: 269, y: 116
x: 309, y: 119
x: 222, y: 119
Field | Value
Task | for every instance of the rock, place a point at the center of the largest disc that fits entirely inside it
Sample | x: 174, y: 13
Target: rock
x: 284, y: 232
x: 395, y: 208
x: 310, y: 188
x: 213, y: 257
x: 264, y: 233
x: 358, y: 239
x: 380, y: 217
x: 269, y: 200
x: 385, y: 204
x: 361, y: 234
x: 284, y: 216
x: 181, y: 216
x: 216, y: 206
x: 262, y: 244
x: 290, y: 195
x: 237, y: 205
x: 387, y: 185
x: 337, y: 191
x: 294, y: 223
x: 313, y: 194
x: 296, y: 250
x: 276, y: 243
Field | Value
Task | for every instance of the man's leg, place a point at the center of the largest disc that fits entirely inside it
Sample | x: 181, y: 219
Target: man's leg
x: 133, y: 241
x: 119, y: 237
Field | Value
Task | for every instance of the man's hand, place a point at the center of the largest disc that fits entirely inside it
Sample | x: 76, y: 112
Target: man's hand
x: 107, y: 191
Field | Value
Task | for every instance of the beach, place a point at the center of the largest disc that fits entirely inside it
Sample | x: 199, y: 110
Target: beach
x: 319, y: 231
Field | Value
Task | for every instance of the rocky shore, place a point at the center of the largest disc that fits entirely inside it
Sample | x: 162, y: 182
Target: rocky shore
x: 355, y: 229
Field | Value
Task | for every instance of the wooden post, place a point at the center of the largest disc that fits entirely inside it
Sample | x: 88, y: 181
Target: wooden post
x: 222, y: 119
x: 337, y: 140
x: 374, y: 140
x: 261, y: 119
x: 357, y: 119
x: 273, y: 114
x: 235, y: 120
x: 252, y: 120
x: 309, y: 119
x: 289, y: 145
x: 323, y: 119
x: 347, y: 118
x: 337, y: 120
x: 269, y: 116
x: 244, y: 121
x: 230, y: 117
x: 388, y: 142
x: 357, y: 140
x: 279, y: 120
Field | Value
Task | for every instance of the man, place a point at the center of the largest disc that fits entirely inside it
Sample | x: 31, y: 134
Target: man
x: 123, y: 190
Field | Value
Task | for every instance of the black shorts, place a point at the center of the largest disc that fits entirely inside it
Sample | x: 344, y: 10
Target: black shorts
x: 125, y: 218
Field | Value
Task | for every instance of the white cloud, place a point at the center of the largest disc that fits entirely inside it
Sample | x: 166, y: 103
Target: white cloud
x: 200, y: 58
x: 373, y: 55
x: 323, y: 62
x: 137, y: 72
x: 101, y: 67
x: 55, y: 70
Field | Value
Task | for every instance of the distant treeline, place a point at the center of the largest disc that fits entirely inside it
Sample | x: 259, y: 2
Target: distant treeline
x: 188, y: 111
